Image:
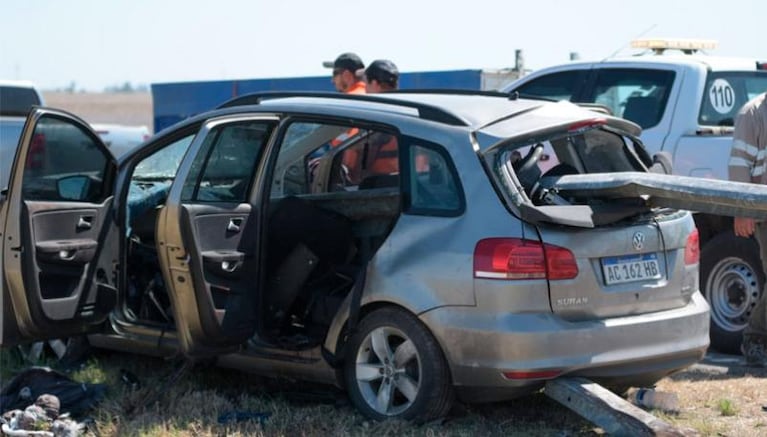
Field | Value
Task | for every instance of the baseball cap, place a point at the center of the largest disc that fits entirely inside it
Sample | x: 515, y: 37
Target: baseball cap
x: 382, y: 70
x: 345, y: 61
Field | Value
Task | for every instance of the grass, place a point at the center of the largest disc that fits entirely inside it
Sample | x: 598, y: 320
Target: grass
x: 727, y: 407
x: 199, y: 404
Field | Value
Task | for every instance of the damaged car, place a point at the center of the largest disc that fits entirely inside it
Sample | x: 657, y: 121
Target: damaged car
x: 412, y: 247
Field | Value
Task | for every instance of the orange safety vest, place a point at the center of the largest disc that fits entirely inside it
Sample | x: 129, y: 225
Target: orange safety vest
x: 383, y: 157
x: 357, y: 88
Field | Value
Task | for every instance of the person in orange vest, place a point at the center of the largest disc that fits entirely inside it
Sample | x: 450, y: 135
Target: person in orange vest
x: 382, y: 157
x: 347, y: 77
x: 382, y: 75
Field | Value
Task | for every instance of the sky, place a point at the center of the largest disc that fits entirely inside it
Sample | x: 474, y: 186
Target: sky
x: 95, y: 44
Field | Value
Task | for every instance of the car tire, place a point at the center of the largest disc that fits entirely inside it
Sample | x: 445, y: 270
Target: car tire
x: 395, y: 369
x: 732, y: 280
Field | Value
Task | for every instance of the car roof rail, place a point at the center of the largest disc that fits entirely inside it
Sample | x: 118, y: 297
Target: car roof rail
x: 512, y: 95
x: 425, y: 111
x: 449, y: 91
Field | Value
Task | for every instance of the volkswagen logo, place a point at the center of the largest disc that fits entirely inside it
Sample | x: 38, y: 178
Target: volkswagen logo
x: 638, y: 240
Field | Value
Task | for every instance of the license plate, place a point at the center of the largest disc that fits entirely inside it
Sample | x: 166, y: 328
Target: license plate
x: 620, y: 269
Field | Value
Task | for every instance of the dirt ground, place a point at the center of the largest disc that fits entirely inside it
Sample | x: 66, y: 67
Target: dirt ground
x: 720, y: 397
x: 133, y: 109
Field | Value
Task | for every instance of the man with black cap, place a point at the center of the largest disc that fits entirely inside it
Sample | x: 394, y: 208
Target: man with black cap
x: 381, y: 75
x: 347, y: 73
x: 382, y: 157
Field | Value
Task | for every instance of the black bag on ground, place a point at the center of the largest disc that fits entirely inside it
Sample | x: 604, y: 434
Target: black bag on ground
x: 75, y: 397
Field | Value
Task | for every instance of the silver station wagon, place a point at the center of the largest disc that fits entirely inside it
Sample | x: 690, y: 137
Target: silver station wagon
x: 412, y: 247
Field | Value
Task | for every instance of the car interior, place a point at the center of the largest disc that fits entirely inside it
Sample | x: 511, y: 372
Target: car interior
x: 539, y: 168
x: 329, y: 208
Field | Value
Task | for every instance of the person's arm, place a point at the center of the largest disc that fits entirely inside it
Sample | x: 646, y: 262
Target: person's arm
x: 745, y: 165
x: 744, y: 151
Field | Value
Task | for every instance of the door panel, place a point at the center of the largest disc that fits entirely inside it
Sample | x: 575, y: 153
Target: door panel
x: 57, y: 260
x: 207, y: 236
x: 221, y: 281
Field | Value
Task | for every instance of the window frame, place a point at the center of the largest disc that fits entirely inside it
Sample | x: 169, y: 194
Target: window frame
x: 589, y: 94
x: 107, y: 172
x: 213, y: 134
x: 407, y: 164
x: 580, y: 83
x: 741, y: 93
x: 345, y: 123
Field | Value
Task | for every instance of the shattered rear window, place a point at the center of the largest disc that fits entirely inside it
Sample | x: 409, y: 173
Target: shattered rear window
x: 592, y: 151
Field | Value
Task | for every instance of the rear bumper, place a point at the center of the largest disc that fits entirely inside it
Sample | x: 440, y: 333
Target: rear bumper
x: 622, y: 351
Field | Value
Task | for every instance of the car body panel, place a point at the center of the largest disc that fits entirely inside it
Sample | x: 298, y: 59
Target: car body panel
x: 483, y: 342
x: 58, y: 243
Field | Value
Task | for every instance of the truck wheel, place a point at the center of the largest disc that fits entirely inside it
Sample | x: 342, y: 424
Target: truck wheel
x: 395, y: 369
x: 732, y: 280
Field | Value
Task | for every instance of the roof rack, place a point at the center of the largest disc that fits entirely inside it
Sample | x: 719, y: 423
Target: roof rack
x: 450, y: 91
x: 425, y: 111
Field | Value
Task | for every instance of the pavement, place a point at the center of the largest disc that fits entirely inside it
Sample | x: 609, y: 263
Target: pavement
x: 716, y: 363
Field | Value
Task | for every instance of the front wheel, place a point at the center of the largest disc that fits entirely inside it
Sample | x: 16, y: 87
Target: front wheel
x: 732, y: 281
x: 395, y: 369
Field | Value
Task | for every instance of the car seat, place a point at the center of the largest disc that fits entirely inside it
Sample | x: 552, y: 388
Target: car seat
x: 305, y: 244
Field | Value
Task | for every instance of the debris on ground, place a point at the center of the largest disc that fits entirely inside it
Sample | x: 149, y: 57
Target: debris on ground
x: 40, y: 419
x: 74, y: 397
x: 33, y: 401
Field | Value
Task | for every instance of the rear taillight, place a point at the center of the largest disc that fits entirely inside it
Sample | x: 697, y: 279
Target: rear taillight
x: 692, y: 248
x: 761, y: 65
x: 515, y: 258
x: 36, y: 153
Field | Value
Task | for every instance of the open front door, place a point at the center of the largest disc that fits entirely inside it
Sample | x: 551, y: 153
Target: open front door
x: 208, y: 236
x: 58, y: 238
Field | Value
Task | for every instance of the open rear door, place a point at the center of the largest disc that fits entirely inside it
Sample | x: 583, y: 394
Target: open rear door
x: 58, y: 237
x: 208, y: 235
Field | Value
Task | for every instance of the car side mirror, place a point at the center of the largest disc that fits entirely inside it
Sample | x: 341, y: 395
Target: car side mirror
x: 74, y: 187
x: 662, y: 163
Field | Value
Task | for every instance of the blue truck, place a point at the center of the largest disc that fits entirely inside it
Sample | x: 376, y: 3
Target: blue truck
x: 173, y: 102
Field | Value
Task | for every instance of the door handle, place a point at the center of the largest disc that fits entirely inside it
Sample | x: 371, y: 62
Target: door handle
x: 84, y: 222
x: 234, y: 225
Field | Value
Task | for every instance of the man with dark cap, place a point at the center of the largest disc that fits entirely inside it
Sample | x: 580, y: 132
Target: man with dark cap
x: 382, y: 157
x: 381, y: 75
x: 347, y: 77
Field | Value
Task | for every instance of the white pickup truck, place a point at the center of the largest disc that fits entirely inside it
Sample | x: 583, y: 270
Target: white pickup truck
x: 685, y: 104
